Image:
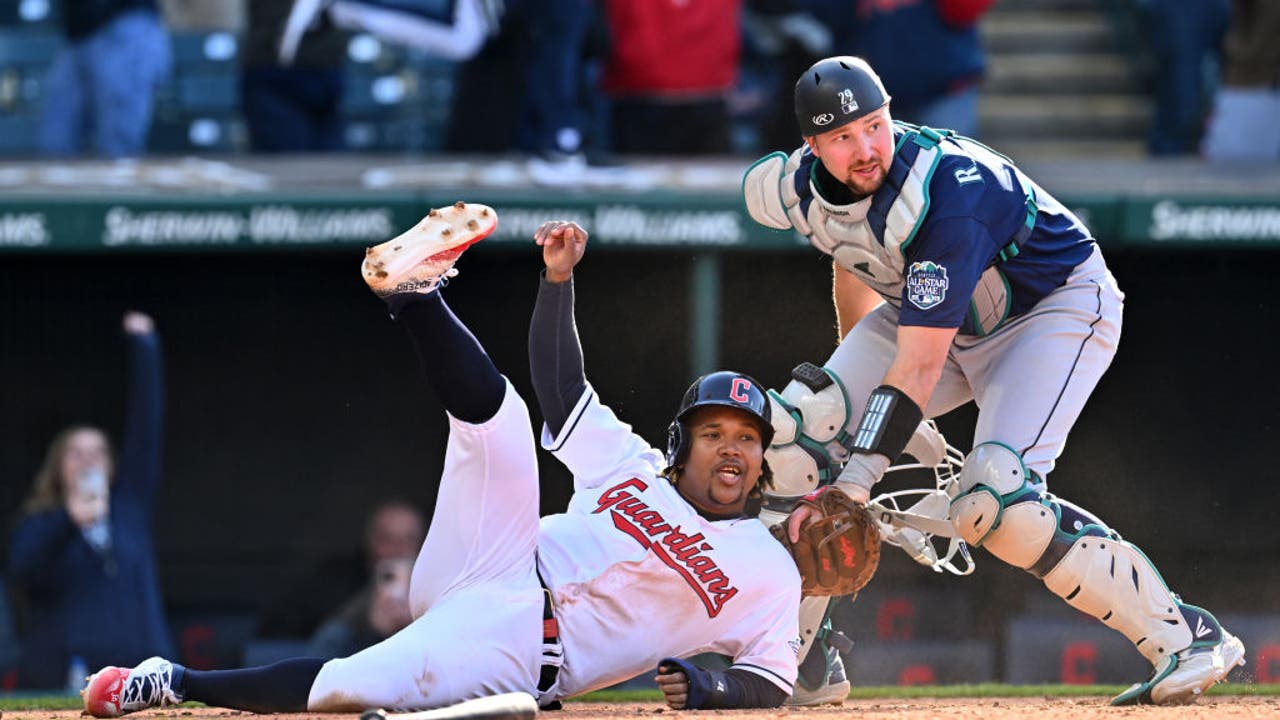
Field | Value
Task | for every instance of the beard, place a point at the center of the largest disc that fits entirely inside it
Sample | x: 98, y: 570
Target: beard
x: 863, y: 187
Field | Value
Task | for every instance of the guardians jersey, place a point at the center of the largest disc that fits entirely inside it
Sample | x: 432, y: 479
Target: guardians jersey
x: 636, y: 573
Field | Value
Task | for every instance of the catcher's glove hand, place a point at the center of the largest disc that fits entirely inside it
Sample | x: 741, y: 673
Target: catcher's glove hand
x: 838, y: 552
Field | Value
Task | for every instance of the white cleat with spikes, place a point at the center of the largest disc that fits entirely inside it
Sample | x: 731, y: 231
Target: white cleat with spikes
x: 421, y: 259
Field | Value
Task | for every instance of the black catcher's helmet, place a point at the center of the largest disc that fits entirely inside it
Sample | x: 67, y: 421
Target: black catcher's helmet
x: 727, y: 388
x: 836, y: 91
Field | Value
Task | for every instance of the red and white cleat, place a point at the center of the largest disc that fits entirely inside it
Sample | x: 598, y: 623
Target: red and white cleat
x: 115, y: 691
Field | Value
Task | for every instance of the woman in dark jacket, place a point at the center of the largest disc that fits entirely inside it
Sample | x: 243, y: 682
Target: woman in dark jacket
x: 82, y: 551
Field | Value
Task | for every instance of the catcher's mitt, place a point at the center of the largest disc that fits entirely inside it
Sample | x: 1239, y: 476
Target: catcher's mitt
x: 837, y: 553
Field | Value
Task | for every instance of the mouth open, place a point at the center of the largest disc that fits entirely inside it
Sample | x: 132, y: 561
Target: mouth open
x: 729, y: 473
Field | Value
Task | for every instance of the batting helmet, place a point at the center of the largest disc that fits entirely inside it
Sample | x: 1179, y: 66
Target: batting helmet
x: 835, y: 92
x: 725, y: 388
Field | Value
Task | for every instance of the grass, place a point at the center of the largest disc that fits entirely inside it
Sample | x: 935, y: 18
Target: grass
x: 992, y: 690
x: 886, y: 692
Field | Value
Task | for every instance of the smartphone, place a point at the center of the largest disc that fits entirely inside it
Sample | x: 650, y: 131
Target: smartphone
x: 92, y: 483
x: 393, y: 575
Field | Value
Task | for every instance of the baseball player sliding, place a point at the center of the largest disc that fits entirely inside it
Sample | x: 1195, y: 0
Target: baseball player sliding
x: 992, y: 292
x: 657, y: 557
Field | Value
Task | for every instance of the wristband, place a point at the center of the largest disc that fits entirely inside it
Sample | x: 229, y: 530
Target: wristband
x: 887, y: 424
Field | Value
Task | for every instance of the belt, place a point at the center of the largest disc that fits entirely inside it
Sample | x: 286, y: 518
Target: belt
x: 550, y: 636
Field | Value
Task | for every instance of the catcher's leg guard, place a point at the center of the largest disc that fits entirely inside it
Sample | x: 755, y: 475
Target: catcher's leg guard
x: 1003, y: 507
x: 822, y: 679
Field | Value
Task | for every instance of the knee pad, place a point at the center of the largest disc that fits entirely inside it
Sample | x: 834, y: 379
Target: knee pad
x: 809, y: 418
x: 1003, y: 507
x: 1000, y: 505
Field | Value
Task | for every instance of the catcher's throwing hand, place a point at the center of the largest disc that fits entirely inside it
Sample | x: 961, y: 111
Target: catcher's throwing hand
x: 563, y: 244
x: 674, y: 685
x: 834, y: 541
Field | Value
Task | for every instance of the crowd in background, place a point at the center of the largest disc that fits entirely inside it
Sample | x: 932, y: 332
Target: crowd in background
x: 569, y: 83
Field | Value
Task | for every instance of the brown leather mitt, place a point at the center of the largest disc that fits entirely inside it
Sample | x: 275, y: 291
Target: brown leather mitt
x: 837, y: 553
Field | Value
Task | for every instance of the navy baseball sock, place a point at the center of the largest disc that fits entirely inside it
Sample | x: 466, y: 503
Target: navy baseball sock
x: 455, y: 365
x: 278, y: 688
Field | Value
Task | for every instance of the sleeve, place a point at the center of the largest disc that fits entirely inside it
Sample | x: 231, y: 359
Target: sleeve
x: 555, y: 353
x: 724, y: 689
x: 755, y: 691
x: 144, y: 420
x: 596, y: 446
x: 944, y: 261
x: 35, y: 545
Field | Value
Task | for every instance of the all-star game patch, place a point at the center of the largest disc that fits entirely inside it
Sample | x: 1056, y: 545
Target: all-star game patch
x: 926, y: 284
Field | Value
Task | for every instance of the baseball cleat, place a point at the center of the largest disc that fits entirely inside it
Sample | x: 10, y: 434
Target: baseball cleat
x: 1181, y: 678
x: 421, y: 259
x: 115, y: 691
x: 834, y: 689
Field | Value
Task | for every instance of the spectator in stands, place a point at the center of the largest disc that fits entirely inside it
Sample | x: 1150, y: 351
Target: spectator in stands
x: 394, y: 533
x: 101, y: 87
x: 1245, y: 125
x: 1185, y: 36
x: 328, y: 604
x: 782, y: 38
x: 927, y: 52
x: 82, y: 550
x: 293, y: 106
x: 670, y: 73
x: 533, y: 81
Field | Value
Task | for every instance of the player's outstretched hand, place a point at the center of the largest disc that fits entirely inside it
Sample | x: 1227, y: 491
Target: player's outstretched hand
x: 563, y: 244
x: 674, y: 685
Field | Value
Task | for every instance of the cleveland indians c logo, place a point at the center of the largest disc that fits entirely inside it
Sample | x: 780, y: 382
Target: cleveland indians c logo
x: 738, y: 391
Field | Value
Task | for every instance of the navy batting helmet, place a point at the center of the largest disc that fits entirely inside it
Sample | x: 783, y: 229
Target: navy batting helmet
x: 724, y: 388
x: 836, y: 91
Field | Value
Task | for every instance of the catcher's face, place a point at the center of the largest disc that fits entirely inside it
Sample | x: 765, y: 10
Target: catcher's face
x: 725, y: 460
x: 858, y: 154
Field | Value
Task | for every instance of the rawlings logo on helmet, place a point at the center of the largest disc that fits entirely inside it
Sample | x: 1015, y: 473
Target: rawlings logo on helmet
x: 823, y: 119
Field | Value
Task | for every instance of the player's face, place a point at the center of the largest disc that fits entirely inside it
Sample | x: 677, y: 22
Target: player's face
x: 858, y: 154
x: 725, y: 460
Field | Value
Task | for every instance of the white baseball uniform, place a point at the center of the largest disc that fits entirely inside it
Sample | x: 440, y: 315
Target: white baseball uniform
x: 635, y: 574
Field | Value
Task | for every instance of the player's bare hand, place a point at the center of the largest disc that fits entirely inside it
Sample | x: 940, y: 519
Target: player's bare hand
x: 136, y: 323
x: 563, y: 244
x: 804, y: 514
x: 674, y: 686
x: 800, y: 517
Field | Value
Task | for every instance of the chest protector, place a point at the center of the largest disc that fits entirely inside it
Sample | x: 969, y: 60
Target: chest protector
x: 878, y: 259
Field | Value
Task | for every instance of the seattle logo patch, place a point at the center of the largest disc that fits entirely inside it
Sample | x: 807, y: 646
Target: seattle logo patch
x: 926, y: 284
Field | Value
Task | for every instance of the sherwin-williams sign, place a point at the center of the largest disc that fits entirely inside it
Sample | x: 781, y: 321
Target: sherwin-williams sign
x: 663, y: 220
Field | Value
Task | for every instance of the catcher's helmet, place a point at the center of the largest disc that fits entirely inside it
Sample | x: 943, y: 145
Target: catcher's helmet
x: 726, y: 388
x: 836, y: 91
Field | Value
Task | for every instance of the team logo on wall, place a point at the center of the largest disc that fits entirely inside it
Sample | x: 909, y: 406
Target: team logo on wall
x: 847, y: 103
x: 926, y: 284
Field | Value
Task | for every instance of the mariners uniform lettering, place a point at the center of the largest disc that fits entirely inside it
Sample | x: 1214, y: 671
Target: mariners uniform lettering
x: 678, y: 550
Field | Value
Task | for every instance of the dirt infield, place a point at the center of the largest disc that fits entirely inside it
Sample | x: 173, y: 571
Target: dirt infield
x: 1217, y: 708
